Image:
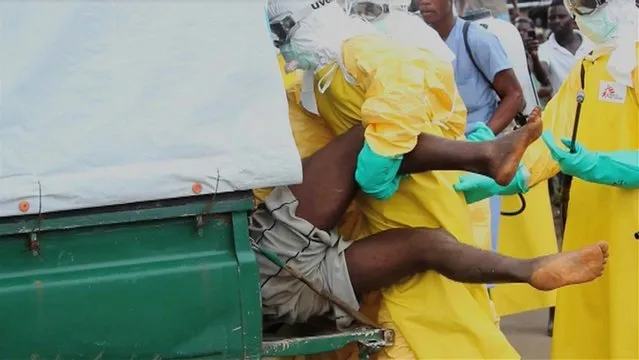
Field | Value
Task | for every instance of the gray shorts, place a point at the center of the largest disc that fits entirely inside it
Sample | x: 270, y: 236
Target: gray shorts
x: 317, y: 254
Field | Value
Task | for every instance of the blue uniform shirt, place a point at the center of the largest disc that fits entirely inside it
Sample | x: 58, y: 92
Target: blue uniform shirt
x: 491, y: 58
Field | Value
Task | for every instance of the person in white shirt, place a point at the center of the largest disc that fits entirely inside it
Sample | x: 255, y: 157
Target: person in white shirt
x: 562, y: 50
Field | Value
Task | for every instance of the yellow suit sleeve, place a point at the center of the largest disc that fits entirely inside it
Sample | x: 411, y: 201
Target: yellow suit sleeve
x: 559, y: 118
x: 395, y: 111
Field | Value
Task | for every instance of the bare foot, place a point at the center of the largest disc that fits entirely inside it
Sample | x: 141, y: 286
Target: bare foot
x: 569, y: 268
x: 507, y: 151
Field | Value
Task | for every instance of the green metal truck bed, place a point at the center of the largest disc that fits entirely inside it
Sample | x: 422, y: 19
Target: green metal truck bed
x: 137, y: 281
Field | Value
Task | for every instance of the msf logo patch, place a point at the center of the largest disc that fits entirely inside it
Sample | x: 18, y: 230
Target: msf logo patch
x: 612, y: 92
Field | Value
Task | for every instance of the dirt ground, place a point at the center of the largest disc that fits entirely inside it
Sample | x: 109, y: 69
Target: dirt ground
x: 527, y: 333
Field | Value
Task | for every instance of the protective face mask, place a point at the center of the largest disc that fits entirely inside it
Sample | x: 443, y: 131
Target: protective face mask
x: 296, y: 59
x: 381, y: 26
x: 599, y: 27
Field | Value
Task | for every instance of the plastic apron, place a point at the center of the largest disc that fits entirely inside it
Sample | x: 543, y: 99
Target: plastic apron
x: 480, y: 216
x: 598, y: 320
x: 433, y: 317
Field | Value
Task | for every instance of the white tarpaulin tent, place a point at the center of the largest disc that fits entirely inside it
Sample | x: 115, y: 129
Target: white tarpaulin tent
x: 112, y: 102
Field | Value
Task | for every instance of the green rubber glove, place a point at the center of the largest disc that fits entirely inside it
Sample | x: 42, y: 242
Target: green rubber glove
x: 619, y: 168
x: 479, y: 187
x: 480, y: 133
x: 377, y: 175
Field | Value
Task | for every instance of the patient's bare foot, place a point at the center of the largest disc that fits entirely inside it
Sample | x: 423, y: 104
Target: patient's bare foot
x: 569, y: 268
x: 507, y: 151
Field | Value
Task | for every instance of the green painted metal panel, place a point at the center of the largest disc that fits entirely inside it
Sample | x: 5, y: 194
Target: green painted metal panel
x: 133, y: 282
x: 249, y: 279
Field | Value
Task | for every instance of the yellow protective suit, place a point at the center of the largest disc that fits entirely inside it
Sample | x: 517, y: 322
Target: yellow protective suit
x: 290, y: 79
x: 598, y: 320
x: 527, y: 235
x: 397, y: 93
x: 480, y: 219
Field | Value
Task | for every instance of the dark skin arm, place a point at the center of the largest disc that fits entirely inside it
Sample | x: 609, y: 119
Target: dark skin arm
x: 512, y: 100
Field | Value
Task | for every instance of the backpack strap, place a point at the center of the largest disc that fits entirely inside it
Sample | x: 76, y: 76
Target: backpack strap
x: 520, y: 119
x: 470, y: 55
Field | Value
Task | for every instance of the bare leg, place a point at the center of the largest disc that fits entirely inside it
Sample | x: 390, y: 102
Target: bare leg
x: 329, y: 185
x: 498, y: 159
x: 328, y: 180
x: 385, y: 258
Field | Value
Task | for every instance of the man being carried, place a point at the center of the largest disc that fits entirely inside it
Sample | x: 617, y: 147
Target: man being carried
x: 298, y: 223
